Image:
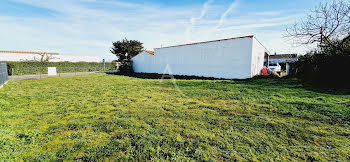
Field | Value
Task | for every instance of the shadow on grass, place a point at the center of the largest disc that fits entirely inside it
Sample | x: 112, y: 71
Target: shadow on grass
x: 159, y: 76
x: 261, y: 81
x: 293, y: 82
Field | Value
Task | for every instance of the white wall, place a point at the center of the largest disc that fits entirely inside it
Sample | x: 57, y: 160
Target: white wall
x: 258, y: 57
x: 56, y: 58
x: 229, y: 59
x: 143, y: 62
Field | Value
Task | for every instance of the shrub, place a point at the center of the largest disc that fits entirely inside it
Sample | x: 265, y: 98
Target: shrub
x: 21, y: 68
x: 126, y: 68
x: 328, y: 67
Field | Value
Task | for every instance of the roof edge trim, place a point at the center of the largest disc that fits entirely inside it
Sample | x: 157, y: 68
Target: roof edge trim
x: 250, y: 36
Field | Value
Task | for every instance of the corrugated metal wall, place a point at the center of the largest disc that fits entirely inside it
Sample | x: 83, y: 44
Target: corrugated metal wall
x: 3, y: 73
x: 230, y: 59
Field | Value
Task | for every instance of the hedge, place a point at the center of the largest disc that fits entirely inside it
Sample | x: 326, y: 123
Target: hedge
x: 23, y: 68
x: 328, y: 66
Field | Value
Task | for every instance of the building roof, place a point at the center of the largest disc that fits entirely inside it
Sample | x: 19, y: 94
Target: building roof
x: 251, y: 36
x: 40, y: 53
x: 283, y: 56
x: 150, y: 52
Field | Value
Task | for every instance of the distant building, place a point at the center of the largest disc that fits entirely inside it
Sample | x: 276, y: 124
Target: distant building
x: 233, y: 58
x: 7, y: 56
x: 285, y: 60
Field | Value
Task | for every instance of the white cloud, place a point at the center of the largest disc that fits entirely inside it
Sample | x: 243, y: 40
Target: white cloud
x: 252, y: 26
x: 233, y: 5
x: 87, y: 27
x: 194, y: 20
x: 269, y: 13
x: 77, y: 28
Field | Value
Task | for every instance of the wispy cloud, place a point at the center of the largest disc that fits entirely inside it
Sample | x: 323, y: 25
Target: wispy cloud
x: 194, y: 20
x: 87, y: 27
x: 204, y: 10
x: 269, y: 13
x: 253, y: 26
x: 76, y: 24
x: 233, y: 5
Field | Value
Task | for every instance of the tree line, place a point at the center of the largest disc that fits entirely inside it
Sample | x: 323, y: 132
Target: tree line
x: 327, y: 26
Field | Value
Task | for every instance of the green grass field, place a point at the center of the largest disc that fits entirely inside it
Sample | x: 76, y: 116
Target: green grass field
x: 110, y: 117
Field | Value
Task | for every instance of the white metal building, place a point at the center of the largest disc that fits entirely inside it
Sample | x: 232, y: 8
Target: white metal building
x: 233, y: 58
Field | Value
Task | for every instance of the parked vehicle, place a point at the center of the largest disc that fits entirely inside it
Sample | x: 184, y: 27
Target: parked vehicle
x: 276, y: 67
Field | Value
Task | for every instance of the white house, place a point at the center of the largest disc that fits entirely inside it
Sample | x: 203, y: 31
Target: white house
x: 233, y: 58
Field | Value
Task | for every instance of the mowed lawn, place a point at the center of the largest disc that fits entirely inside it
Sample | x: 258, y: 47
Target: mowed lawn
x: 110, y: 117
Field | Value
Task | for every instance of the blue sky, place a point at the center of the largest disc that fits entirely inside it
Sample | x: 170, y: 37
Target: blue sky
x: 87, y: 27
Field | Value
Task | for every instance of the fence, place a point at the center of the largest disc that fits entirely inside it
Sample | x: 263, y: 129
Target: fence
x: 3, y: 73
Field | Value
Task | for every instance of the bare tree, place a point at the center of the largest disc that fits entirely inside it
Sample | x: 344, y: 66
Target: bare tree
x: 326, y: 23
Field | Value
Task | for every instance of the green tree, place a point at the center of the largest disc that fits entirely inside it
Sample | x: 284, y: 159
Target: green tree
x: 125, y: 46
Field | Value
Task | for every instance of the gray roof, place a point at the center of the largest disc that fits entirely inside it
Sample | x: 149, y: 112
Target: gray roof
x: 283, y: 56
